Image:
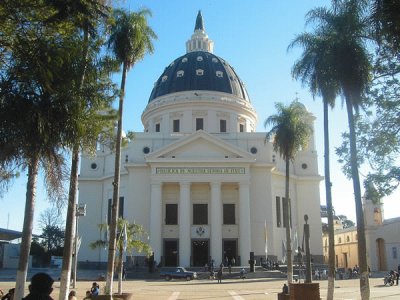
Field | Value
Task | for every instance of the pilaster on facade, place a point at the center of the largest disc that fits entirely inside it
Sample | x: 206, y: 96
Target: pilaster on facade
x: 155, y: 221
x: 216, y: 221
x: 245, y: 225
x: 184, y: 224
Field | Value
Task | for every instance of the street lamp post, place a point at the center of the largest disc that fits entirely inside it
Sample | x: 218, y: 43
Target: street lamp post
x: 80, y: 212
x: 307, y: 244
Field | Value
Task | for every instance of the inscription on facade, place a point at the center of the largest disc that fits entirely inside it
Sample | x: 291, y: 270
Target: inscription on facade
x: 201, y: 170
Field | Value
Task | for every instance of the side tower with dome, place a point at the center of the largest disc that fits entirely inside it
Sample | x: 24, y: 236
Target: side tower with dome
x: 204, y: 184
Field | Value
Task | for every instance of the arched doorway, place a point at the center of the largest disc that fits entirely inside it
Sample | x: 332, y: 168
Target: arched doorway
x: 381, y: 255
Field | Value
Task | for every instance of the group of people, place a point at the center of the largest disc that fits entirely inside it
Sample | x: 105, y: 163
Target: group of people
x: 41, y: 287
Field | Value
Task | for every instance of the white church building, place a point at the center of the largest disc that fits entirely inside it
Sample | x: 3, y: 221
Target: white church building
x: 199, y: 178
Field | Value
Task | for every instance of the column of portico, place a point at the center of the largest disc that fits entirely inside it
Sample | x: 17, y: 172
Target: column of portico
x: 216, y: 222
x: 245, y: 225
x: 155, y: 220
x: 184, y: 224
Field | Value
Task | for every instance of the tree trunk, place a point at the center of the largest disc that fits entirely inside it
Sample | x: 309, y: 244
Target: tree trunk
x: 70, y: 227
x: 362, y: 246
x: 287, y: 216
x: 27, y: 229
x: 331, y: 234
x: 115, y: 202
x: 73, y: 187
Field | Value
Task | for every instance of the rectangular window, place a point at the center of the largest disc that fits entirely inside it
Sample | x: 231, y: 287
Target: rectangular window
x: 241, y: 127
x: 176, y: 126
x: 284, y: 211
x: 171, y: 214
x: 229, y: 214
x: 158, y: 127
x: 120, y: 210
x: 199, y: 124
x: 222, y: 125
x: 200, y: 214
x: 394, y: 252
x: 278, y: 212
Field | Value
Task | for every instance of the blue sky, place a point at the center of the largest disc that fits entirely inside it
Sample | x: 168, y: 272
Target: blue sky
x: 253, y: 37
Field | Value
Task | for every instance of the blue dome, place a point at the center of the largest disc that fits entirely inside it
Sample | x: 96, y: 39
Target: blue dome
x: 199, y: 70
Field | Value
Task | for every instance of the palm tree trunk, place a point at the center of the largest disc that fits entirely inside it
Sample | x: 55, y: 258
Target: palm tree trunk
x: 70, y: 227
x: 362, y: 245
x: 115, y: 202
x: 328, y: 192
x: 73, y: 187
x: 287, y: 216
x: 25, y: 247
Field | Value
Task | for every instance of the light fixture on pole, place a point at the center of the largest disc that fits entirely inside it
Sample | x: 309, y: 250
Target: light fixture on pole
x: 80, y: 212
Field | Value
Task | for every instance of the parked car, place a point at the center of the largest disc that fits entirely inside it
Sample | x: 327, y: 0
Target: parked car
x: 177, y: 273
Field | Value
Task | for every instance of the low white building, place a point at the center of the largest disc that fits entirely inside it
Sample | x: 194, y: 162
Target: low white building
x: 199, y: 178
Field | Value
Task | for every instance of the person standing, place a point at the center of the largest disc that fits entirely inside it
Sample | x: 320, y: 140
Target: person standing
x: 219, y: 275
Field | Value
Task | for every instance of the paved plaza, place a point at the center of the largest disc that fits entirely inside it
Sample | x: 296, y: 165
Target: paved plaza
x: 234, y: 288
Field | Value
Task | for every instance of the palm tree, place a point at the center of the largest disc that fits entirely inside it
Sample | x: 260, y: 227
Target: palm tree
x: 34, y: 113
x: 314, y: 69
x: 291, y: 132
x: 86, y: 17
x: 344, y: 30
x: 130, y: 238
x: 130, y: 39
x: 38, y: 104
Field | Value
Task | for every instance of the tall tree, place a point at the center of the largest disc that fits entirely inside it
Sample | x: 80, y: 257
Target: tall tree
x: 38, y: 100
x: 86, y: 16
x: 315, y: 69
x: 345, y: 28
x: 33, y: 115
x: 130, y: 40
x: 290, y: 132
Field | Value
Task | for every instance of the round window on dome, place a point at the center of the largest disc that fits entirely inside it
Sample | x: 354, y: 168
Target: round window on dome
x: 199, y: 72
x: 180, y: 73
x: 164, y: 78
x: 184, y: 59
x: 199, y: 58
x: 214, y: 60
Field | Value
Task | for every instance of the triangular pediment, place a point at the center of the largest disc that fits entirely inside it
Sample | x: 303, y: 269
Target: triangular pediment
x: 200, y: 146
